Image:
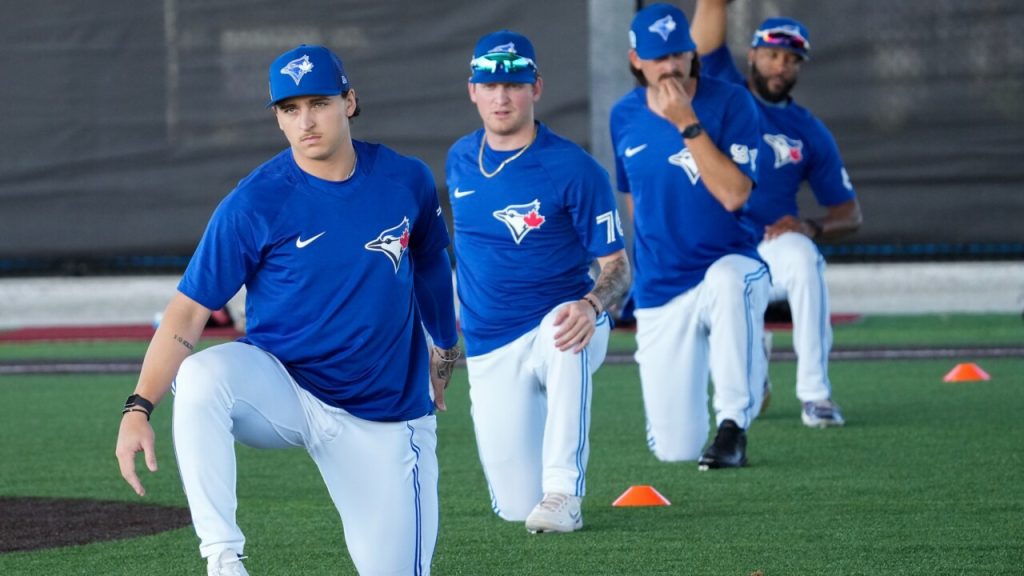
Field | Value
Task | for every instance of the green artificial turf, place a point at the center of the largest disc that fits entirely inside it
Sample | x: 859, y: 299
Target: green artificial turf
x: 925, y: 479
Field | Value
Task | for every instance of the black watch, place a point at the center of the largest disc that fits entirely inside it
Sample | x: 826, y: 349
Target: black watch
x: 692, y: 131
x: 136, y: 400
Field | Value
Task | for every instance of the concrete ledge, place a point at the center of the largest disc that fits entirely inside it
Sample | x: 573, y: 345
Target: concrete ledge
x: 926, y: 288
x: 975, y: 287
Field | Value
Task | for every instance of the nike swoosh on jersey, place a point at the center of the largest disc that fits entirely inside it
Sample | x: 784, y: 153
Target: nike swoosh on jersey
x: 462, y: 193
x: 300, y: 243
x: 633, y: 151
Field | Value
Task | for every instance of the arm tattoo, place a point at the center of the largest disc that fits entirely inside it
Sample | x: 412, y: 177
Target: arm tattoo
x: 184, y: 342
x: 613, y: 282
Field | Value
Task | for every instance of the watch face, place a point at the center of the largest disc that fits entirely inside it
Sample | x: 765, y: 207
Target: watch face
x: 692, y: 131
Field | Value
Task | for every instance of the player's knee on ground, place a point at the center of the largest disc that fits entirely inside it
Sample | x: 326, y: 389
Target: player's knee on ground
x: 516, y: 513
x: 677, y: 453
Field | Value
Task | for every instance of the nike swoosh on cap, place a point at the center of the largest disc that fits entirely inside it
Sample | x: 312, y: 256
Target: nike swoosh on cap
x: 461, y: 193
x: 634, y: 150
x: 300, y: 243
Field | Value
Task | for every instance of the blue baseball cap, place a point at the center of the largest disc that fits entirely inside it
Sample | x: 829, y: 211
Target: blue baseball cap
x: 659, y: 30
x: 784, y: 33
x: 503, y: 56
x: 306, y: 71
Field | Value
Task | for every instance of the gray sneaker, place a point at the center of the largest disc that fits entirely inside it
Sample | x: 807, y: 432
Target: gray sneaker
x: 822, y: 414
x: 555, y: 513
x: 225, y: 563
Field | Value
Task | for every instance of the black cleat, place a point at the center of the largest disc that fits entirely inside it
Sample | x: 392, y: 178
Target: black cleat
x: 729, y: 450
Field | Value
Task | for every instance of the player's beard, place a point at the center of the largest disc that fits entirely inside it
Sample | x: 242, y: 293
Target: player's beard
x: 764, y: 92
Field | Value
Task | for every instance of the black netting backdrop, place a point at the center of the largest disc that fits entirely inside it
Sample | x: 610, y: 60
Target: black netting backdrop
x: 126, y: 122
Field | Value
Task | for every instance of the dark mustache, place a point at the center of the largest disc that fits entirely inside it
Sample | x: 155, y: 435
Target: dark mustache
x: 676, y: 75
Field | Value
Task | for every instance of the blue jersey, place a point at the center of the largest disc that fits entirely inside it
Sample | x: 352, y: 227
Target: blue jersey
x: 795, y: 146
x: 680, y: 228
x: 525, y: 238
x: 328, y: 270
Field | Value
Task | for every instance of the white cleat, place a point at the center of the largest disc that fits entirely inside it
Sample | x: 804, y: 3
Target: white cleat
x: 555, y: 513
x: 821, y: 414
x: 225, y: 563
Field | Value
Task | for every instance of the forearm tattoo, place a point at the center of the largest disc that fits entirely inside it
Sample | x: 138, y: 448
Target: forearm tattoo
x: 184, y: 342
x: 613, y: 282
x: 445, y: 361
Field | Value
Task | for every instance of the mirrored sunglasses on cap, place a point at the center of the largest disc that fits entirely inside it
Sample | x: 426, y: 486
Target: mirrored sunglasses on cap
x: 508, y: 62
x: 784, y: 37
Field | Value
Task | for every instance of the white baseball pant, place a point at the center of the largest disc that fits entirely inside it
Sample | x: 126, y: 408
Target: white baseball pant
x: 382, y: 476
x: 716, y: 325
x: 798, y: 274
x: 531, y: 413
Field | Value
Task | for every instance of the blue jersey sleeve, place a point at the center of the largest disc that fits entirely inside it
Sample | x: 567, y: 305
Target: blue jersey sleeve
x: 828, y: 178
x: 719, y: 64
x: 592, y: 205
x: 227, y: 255
x: 432, y: 267
x: 435, y: 297
x: 741, y: 133
x: 430, y: 233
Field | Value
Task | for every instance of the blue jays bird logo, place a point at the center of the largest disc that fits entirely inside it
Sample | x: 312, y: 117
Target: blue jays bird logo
x: 521, y: 218
x: 684, y: 159
x: 787, y: 150
x: 392, y: 243
x: 663, y: 27
x: 509, y: 48
x: 297, y: 68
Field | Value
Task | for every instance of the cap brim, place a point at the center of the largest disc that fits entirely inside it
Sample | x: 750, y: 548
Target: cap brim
x: 803, y: 54
x: 325, y: 92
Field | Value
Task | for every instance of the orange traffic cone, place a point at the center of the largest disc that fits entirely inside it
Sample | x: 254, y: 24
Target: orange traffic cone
x: 641, y: 496
x: 966, y: 372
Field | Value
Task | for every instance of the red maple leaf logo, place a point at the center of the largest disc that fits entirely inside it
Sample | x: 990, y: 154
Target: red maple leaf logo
x: 533, y: 220
x: 404, y: 240
x: 795, y: 155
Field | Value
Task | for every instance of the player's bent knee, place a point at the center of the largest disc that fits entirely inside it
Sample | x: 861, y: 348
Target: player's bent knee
x: 725, y: 280
x: 198, y: 375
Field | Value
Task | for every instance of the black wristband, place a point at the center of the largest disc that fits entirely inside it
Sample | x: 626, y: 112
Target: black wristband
x: 692, y: 131
x: 136, y: 400
x: 136, y: 409
x: 592, y: 305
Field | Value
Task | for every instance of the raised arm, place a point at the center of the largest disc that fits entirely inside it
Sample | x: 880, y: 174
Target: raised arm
x: 180, y: 328
x: 709, y: 25
x: 672, y: 99
x: 726, y: 182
